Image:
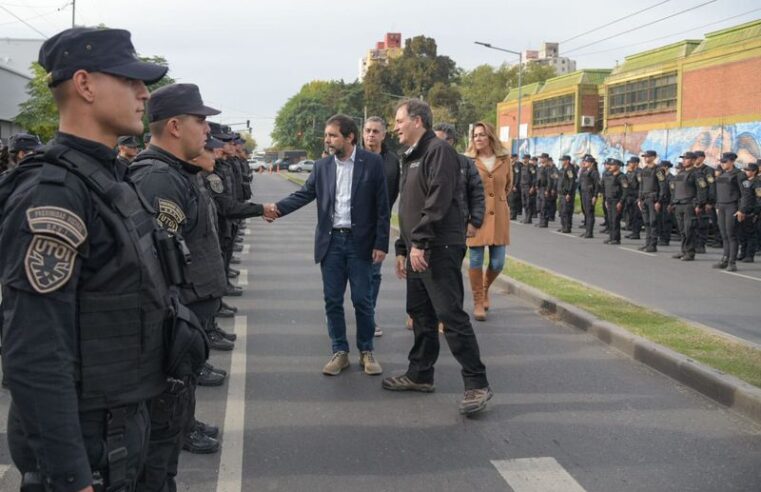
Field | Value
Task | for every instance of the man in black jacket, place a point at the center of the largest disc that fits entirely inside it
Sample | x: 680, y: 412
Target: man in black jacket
x: 429, y: 255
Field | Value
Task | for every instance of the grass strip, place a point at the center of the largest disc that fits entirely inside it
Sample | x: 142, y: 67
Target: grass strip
x: 741, y: 361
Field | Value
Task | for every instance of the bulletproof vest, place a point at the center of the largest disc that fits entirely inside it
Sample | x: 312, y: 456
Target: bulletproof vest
x: 633, y: 177
x: 587, y: 180
x: 205, y: 274
x: 649, y: 182
x: 683, y: 187
x: 728, y: 187
x: 123, y: 306
x: 613, y: 186
x: 528, y: 175
x: 566, y: 176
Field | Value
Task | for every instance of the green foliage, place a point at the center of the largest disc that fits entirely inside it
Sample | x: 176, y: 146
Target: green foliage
x: 300, y: 123
x: 39, y: 114
x: 250, y: 141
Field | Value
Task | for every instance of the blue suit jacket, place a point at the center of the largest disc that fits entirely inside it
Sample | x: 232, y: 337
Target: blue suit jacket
x: 369, y: 203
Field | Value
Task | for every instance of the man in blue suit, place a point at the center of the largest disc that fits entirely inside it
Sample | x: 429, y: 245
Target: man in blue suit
x: 352, y: 234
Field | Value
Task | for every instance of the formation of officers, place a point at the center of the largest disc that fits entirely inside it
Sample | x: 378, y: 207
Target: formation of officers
x: 114, y: 268
x: 706, y: 205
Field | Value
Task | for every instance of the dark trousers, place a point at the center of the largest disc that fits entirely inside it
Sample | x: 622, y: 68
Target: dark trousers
x: 515, y: 202
x: 750, y: 229
x: 546, y: 206
x: 650, y: 220
x: 341, y: 265
x: 589, y: 213
x: 665, y: 224
x: 614, y: 220
x: 566, y: 212
x: 701, y: 229
x: 686, y: 220
x: 553, y: 206
x: 633, y: 216
x: 93, y: 426
x: 527, y: 200
x: 725, y: 213
x: 713, y: 224
x: 437, y: 295
x: 605, y: 222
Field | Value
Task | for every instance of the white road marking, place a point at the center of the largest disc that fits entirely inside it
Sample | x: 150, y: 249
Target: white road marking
x: 743, y: 276
x: 536, y: 475
x: 243, y: 277
x: 637, y: 251
x: 246, y: 249
x: 230, y: 474
x: 566, y: 234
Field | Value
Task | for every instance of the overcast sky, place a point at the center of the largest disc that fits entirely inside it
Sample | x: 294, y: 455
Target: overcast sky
x: 250, y: 56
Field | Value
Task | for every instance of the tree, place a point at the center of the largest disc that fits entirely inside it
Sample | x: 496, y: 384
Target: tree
x: 250, y: 144
x: 39, y: 114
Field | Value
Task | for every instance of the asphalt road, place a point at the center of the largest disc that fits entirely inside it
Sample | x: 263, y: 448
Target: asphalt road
x: 693, y: 290
x: 569, y: 413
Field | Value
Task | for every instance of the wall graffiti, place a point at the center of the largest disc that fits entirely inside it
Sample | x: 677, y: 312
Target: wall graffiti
x: 742, y: 138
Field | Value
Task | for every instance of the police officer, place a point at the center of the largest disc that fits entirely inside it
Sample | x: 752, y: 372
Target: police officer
x: 546, y: 192
x: 631, y: 210
x: 84, y: 294
x: 21, y: 145
x: 652, y: 193
x: 553, y: 204
x: 704, y: 217
x: 606, y: 169
x: 166, y: 177
x: 566, y: 191
x: 666, y: 218
x: 688, y: 195
x: 589, y: 187
x: 750, y: 214
x: 128, y: 149
x: 729, y: 186
x: 527, y: 183
x: 614, y: 188
x: 514, y: 198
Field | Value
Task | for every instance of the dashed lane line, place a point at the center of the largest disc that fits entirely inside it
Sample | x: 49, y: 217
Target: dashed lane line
x: 537, y: 475
x: 741, y: 275
x: 243, y: 277
x: 230, y: 475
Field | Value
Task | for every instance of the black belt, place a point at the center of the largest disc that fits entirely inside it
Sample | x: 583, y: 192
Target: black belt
x: 342, y: 230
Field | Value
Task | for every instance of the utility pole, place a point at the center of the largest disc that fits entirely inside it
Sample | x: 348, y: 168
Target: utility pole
x: 73, y: 12
x: 520, y: 77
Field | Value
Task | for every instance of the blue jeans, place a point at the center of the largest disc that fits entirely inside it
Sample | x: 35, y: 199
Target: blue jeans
x: 339, y: 265
x: 375, y: 282
x: 496, y: 257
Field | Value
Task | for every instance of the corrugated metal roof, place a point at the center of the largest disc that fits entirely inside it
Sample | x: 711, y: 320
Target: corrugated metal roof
x: 664, y: 54
x: 528, y: 90
x: 737, y: 34
x: 573, y: 79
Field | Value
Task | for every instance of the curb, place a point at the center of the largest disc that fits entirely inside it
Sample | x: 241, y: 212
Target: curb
x: 727, y: 390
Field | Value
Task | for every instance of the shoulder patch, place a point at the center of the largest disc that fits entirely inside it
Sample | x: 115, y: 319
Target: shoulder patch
x: 758, y: 192
x: 59, y: 222
x: 625, y: 183
x: 747, y: 184
x: 216, y: 183
x: 709, y: 178
x: 639, y: 177
x: 532, y: 171
x: 660, y: 176
x: 569, y: 173
x: 170, y: 215
x: 49, y: 263
x: 702, y: 182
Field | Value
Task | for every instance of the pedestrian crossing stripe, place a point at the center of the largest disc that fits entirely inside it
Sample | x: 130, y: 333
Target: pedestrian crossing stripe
x: 537, y: 475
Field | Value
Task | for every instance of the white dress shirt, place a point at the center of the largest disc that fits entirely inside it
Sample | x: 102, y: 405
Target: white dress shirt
x: 344, y: 173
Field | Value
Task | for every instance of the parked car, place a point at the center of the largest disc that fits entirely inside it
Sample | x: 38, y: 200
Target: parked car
x: 281, y: 164
x: 257, y: 164
x: 301, y: 166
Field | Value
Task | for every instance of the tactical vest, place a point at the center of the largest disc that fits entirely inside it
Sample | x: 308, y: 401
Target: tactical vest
x: 123, y: 307
x: 614, y: 188
x: 649, y: 181
x: 727, y: 187
x: 684, y: 189
x: 205, y: 274
x: 587, y: 180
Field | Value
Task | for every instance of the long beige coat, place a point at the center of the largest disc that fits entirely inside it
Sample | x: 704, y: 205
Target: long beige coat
x: 498, y: 182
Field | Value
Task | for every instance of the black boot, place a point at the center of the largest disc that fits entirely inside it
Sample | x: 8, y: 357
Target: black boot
x: 722, y: 264
x: 207, y: 429
x: 207, y: 377
x: 218, y: 342
x: 199, y: 443
x: 233, y: 291
x: 227, y: 336
x: 731, y: 267
x: 215, y: 369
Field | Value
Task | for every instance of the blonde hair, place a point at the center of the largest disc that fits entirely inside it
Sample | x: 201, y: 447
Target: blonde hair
x: 496, y: 146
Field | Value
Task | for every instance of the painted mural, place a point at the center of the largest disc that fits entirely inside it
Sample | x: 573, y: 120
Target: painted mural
x: 742, y: 138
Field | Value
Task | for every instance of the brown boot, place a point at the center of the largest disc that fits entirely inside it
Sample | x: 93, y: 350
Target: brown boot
x: 477, y: 286
x: 489, y: 278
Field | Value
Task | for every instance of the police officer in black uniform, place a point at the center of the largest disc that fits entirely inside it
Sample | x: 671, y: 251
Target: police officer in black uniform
x: 514, y: 198
x: 750, y: 214
x: 729, y: 186
x: 527, y: 183
x: 128, y: 149
x: 606, y: 167
x: 21, y: 145
x: 652, y: 193
x: 666, y: 216
x: 614, y: 188
x: 566, y: 191
x: 589, y: 187
x: 704, y: 218
x: 631, y: 210
x: 165, y: 176
x: 688, y: 195
x: 85, y: 296
x: 546, y: 188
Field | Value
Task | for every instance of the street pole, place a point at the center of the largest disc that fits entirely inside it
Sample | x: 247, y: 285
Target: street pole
x: 520, y: 77
x: 73, y: 12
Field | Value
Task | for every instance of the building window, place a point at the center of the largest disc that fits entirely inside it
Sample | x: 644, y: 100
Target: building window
x: 644, y: 95
x: 558, y: 110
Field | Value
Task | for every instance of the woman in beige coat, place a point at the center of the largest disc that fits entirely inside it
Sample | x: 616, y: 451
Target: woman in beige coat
x: 493, y: 163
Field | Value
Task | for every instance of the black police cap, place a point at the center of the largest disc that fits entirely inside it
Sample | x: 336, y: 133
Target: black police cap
x: 212, y: 143
x: 527, y: 156
x: 615, y: 162
x: 566, y: 158
x: 514, y: 156
x: 128, y: 141
x: 24, y: 142
x: 95, y: 50
x: 221, y: 132
x: 634, y: 159
x: 545, y: 155
x: 666, y: 164
x: 650, y: 153
x: 688, y: 155
x: 728, y: 156
x: 699, y: 153
x: 176, y: 100
x: 752, y: 167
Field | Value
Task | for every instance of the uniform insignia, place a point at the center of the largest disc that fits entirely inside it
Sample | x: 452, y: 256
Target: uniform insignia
x: 746, y: 184
x: 702, y: 182
x: 672, y: 185
x: 710, y: 179
x: 554, y: 176
x: 170, y: 215
x: 49, y: 263
x: 624, y: 183
x: 215, y: 182
x: 532, y: 171
x: 58, y: 222
x: 758, y: 192
x: 660, y: 176
x: 569, y: 174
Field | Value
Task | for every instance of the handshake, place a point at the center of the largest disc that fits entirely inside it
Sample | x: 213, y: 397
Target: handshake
x: 270, y: 212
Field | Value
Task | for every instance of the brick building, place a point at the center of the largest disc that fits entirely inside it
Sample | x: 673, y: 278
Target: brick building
x: 390, y: 47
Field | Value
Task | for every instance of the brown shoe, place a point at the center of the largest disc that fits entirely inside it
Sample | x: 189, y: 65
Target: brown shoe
x: 489, y: 278
x: 337, y: 363
x: 403, y: 383
x: 371, y: 366
x: 477, y: 286
x: 475, y: 400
